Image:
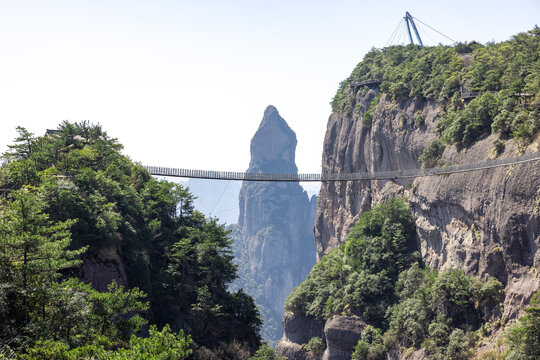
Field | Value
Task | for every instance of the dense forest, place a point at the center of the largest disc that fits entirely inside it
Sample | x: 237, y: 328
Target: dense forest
x: 70, y: 197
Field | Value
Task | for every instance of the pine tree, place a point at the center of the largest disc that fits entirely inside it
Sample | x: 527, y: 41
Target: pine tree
x: 33, y: 251
x: 22, y: 149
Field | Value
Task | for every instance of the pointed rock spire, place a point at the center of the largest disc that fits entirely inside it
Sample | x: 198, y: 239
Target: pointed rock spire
x: 273, y: 146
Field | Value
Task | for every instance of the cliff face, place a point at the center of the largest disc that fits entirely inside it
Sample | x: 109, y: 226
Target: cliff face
x: 483, y: 222
x: 275, y: 222
x: 486, y: 223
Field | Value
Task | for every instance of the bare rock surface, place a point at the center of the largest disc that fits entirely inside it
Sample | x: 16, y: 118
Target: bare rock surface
x: 102, y: 268
x: 300, y: 328
x: 342, y: 333
x: 276, y: 218
x: 291, y: 350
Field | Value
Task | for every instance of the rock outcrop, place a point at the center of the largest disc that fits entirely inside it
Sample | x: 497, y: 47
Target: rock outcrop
x: 276, y: 220
x: 298, y: 330
x: 102, y: 269
x: 339, y: 335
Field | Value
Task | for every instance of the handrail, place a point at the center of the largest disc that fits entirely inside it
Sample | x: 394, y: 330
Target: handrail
x: 378, y: 175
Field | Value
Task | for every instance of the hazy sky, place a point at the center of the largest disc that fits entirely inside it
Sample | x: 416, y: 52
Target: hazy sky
x: 185, y: 83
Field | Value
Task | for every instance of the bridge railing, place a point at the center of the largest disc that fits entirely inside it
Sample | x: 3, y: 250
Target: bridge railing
x: 325, y: 176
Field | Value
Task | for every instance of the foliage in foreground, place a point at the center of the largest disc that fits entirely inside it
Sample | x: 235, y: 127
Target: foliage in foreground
x: 71, y: 196
x: 265, y: 352
x: 162, y: 345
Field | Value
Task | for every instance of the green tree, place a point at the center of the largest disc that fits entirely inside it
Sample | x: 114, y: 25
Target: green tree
x: 524, y: 337
x: 159, y: 345
x: 120, y: 215
x: 33, y: 251
x: 432, y: 153
x: 370, y: 346
x: 265, y: 352
x: 23, y: 147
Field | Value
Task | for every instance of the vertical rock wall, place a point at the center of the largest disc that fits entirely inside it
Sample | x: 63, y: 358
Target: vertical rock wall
x: 484, y: 222
x: 276, y: 219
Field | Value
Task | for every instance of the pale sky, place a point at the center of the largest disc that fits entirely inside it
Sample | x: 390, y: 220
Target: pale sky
x: 185, y: 83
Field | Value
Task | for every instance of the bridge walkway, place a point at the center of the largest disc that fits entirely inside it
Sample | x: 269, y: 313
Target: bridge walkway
x: 380, y: 175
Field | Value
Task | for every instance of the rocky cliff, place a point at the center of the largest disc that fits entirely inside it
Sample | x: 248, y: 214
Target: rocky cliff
x: 486, y: 223
x: 275, y: 223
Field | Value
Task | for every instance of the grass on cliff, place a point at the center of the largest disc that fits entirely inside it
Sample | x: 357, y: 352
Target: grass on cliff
x: 377, y: 275
x: 505, y: 77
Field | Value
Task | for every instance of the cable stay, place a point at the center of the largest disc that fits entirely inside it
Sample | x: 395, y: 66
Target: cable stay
x: 404, y: 26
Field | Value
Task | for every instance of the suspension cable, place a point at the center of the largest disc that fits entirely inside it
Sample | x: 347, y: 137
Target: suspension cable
x: 394, y: 33
x: 437, y: 31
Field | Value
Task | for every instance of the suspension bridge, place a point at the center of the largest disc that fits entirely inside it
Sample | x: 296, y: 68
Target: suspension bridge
x: 407, y: 22
x: 327, y: 176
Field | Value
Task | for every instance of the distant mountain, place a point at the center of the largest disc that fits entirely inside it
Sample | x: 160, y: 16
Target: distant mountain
x: 275, y: 245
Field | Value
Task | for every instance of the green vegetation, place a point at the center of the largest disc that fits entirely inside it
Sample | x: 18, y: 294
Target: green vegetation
x: 438, y: 310
x: 71, y: 196
x: 370, y: 346
x: 265, y: 352
x: 505, y: 77
x: 523, y: 337
x: 163, y: 345
x: 419, y: 119
x: 377, y: 275
x: 315, y: 345
x: 359, y: 275
x: 368, y: 116
x: 520, y: 341
x: 432, y: 153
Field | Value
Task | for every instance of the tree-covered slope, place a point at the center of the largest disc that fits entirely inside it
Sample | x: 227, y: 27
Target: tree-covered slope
x: 70, y: 199
x: 482, y: 89
x: 377, y: 275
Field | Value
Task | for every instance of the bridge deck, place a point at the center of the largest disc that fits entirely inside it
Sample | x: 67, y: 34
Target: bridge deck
x: 381, y: 175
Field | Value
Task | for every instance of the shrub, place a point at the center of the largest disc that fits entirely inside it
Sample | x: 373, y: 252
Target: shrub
x: 437, y: 73
x: 523, y: 336
x: 315, y: 346
x: 370, y: 346
x: 265, y: 352
x: 497, y: 149
x: 432, y: 153
x: 419, y: 119
x: 368, y: 116
x: 361, y: 272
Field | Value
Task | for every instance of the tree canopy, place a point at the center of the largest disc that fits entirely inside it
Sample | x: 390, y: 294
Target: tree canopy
x: 69, y: 198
